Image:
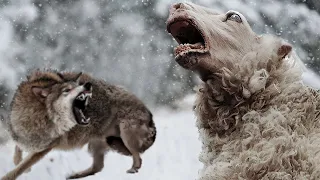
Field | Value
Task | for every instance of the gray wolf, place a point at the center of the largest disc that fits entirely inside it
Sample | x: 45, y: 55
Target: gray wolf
x: 66, y: 110
x: 256, y: 118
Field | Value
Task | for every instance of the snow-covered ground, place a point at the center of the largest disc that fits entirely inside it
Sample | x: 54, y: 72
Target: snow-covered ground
x: 173, y: 156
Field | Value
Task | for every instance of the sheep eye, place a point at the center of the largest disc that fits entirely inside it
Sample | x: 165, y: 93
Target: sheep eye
x: 234, y: 17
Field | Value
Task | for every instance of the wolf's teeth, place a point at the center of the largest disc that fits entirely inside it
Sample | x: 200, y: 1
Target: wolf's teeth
x: 86, y: 102
x: 81, y: 113
x: 81, y: 97
x: 84, y: 120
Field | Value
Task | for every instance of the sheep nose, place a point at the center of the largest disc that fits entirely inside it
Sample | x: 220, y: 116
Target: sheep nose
x: 177, y: 6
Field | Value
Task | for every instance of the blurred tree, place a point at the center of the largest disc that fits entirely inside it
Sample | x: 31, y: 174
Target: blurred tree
x: 120, y: 41
x: 125, y: 42
x: 312, y: 4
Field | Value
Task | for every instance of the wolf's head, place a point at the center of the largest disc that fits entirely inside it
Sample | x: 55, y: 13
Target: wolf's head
x: 63, y: 98
x: 210, y: 41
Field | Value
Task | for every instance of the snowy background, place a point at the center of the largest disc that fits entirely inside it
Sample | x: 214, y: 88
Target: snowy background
x: 125, y: 42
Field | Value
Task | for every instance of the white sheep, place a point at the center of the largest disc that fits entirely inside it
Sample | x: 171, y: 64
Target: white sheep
x: 256, y: 118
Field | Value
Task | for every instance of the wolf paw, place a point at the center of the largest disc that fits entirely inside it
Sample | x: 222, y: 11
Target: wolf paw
x: 74, y: 176
x: 132, y: 170
x: 7, y: 178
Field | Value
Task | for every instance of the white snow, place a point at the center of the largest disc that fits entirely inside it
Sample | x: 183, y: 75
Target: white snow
x: 91, y: 9
x: 7, y: 71
x: 311, y: 79
x: 24, y: 13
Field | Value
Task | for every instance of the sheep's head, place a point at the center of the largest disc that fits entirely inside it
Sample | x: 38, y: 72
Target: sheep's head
x: 209, y: 41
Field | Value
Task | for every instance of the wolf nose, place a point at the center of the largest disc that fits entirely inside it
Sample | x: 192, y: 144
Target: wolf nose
x: 87, y: 86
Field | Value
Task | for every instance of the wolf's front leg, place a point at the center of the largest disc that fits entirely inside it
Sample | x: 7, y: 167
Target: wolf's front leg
x: 31, y: 159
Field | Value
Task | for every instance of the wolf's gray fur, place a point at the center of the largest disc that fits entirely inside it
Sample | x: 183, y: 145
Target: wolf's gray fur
x: 119, y: 121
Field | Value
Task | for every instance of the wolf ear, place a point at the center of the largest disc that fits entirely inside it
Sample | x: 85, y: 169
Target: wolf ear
x: 77, y: 78
x: 284, y: 49
x: 40, y: 92
x: 61, y: 76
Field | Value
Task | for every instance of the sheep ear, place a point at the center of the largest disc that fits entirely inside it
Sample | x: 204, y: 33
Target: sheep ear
x: 284, y: 49
x: 40, y: 92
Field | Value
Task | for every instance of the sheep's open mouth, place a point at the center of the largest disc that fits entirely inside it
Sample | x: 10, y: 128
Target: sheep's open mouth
x: 191, y: 40
x: 79, y: 106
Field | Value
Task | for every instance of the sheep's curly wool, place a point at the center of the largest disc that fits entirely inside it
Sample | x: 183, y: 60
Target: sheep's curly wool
x: 256, y: 118
x: 261, y: 124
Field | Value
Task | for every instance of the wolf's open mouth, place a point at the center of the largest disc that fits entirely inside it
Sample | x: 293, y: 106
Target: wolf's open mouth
x: 189, y: 37
x: 79, y: 106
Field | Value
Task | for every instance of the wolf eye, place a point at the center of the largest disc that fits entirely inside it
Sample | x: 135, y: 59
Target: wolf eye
x: 234, y: 17
x: 66, y: 90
